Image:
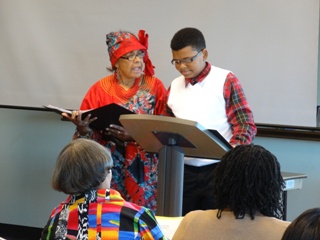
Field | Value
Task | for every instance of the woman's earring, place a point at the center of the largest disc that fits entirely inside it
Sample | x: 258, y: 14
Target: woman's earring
x: 117, y: 75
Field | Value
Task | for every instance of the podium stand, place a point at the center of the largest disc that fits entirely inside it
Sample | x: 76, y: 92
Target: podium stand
x: 173, y: 138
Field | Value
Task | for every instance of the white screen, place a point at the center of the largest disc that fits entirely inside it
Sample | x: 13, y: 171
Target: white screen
x: 52, y: 51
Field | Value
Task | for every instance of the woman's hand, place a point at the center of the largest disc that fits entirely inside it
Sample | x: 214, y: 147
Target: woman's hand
x: 82, y: 124
x: 119, y: 132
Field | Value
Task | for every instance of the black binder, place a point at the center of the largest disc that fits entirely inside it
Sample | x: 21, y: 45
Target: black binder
x: 106, y: 115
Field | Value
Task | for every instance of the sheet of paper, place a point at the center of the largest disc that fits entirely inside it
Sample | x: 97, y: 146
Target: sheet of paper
x: 169, y: 224
x: 61, y: 110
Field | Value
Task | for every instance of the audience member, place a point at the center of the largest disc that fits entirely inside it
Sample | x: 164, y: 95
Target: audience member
x: 93, y: 210
x: 248, y: 189
x: 305, y: 227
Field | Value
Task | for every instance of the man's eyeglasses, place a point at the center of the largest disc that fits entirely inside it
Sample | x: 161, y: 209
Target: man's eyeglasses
x: 186, y: 60
x: 133, y: 56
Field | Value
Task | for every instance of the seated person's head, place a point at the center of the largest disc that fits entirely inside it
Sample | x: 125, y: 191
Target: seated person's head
x: 305, y: 227
x: 82, y: 165
x: 248, y: 180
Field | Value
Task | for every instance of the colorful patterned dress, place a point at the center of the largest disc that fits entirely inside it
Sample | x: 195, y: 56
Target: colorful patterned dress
x: 101, y: 214
x: 135, y: 171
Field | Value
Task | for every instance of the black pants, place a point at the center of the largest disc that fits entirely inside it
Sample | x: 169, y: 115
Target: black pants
x: 198, y: 188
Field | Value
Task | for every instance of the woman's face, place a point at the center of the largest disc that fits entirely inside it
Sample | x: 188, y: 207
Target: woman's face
x: 130, y: 66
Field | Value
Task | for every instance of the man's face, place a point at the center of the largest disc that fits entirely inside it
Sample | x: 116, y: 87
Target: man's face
x: 189, y: 62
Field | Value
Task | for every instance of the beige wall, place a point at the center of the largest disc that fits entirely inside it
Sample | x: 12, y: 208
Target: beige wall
x: 30, y: 142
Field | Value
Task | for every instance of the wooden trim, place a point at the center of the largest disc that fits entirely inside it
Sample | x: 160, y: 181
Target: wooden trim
x: 288, y: 132
x: 10, y: 231
x: 24, y: 108
x: 264, y: 130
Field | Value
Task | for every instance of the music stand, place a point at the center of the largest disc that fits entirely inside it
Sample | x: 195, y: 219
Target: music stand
x: 173, y: 138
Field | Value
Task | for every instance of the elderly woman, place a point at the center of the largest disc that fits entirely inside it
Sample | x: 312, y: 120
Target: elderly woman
x: 93, y: 210
x: 132, y: 86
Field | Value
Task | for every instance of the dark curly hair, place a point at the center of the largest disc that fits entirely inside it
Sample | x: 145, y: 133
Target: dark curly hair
x: 188, y: 37
x: 248, y: 180
x: 305, y: 227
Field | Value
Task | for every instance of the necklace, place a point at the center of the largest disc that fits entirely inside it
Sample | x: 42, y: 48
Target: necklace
x: 126, y: 83
x: 122, y: 82
x: 129, y: 83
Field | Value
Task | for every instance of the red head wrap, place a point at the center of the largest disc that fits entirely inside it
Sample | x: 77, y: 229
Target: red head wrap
x: 120, y: 43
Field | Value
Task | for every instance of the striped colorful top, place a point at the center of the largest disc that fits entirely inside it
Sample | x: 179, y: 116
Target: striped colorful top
x: 101, y: 214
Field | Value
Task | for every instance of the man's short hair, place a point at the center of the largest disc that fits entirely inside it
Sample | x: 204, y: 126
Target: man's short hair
x: 188, y: 37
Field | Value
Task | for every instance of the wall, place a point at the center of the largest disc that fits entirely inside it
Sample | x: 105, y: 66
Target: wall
x: 30, y: 142
x: 298, y: 156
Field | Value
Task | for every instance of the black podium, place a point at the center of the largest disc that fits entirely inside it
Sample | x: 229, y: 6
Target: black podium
x: 173, y: 138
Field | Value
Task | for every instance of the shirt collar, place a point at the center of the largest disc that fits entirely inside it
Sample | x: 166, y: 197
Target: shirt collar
x: 200, y: 77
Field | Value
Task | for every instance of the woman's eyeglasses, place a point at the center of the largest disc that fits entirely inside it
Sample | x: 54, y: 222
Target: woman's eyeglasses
x: 133, y: 56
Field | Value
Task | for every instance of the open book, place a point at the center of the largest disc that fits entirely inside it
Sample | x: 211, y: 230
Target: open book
x: 106, y: 115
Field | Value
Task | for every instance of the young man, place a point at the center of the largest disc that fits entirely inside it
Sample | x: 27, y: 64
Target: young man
x: 212, y: 97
